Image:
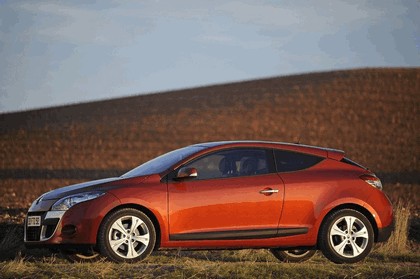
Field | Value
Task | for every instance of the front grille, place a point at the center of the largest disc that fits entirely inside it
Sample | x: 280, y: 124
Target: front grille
x: 43, y: 232
x: 33, y: 233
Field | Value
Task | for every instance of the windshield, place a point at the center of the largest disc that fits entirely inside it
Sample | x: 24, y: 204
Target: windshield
x: 163, y: 162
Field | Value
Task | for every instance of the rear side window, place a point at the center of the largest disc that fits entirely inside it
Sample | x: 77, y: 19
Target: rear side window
x: 294, y: 161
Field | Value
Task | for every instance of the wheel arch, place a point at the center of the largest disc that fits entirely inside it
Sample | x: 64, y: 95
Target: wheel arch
x: 143, y: 209
x: 355, y: 207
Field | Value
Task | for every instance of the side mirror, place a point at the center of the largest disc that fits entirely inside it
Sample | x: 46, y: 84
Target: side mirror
x: 184, y: 173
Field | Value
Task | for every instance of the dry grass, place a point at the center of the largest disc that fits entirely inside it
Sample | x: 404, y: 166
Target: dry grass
x: 224, y: 264
x: 398, y: 242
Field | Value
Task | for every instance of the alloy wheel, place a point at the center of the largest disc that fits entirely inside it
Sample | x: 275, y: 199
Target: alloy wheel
x: 126, y: 235
x: 346, y: 236
x: 349, y: 236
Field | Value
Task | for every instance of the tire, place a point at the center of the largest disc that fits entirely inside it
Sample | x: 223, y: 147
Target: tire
x: 341, y: 245
x: 293, y: 256
x: 81, y: 257
x: 126, y: 235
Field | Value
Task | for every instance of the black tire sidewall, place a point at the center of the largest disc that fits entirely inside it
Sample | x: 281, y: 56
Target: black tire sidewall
x: 283, y: 256
x: 104, y: 245
x: 325, y: 243
x: 73, y: 257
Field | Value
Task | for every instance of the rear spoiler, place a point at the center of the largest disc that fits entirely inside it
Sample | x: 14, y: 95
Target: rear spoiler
x: 335, y: 154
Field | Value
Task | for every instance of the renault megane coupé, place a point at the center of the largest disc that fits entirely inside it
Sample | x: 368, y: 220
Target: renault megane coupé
x: 292, y: 199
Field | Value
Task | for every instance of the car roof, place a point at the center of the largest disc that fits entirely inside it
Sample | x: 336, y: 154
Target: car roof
x: 315, y: 150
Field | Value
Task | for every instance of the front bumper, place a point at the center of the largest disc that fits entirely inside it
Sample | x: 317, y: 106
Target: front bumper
x: 77, y: 225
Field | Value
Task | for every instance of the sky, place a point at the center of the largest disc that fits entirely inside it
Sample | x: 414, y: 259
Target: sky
x: 63, y: 52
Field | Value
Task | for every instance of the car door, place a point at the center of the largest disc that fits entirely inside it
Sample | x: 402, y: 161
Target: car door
x: 236, y: 194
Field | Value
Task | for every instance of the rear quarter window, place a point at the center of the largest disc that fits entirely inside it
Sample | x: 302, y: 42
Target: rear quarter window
x: 294, y: 161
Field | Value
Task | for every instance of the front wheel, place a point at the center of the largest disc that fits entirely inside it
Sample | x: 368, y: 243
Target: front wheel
x: 126, y: 235
x: 293, y: 256
x: 346, y: 236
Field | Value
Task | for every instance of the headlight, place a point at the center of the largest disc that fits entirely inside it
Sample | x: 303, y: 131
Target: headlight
x: 67, y: 202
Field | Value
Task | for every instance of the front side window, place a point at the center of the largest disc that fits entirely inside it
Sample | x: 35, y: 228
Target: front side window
x: 293, y: 161
x: 231, y: 163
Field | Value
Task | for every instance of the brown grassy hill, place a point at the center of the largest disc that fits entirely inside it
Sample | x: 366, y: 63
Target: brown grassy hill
x: 372, y: 114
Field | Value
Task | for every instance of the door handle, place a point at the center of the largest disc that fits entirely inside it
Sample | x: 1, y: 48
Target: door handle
x: 268, y: 191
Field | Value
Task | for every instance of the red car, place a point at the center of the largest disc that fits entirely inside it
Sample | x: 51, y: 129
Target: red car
x: 290, y: 198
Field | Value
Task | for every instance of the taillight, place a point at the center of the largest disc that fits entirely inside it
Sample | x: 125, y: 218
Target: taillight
x: 372, y: 181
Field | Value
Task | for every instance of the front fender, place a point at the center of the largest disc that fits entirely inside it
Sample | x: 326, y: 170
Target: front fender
x: 153, y: 198
x: 86, y: 217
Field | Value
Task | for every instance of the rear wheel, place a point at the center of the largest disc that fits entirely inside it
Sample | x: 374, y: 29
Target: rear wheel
x: 293, y: 256
x: 346, y: 236
x: 126, y: 235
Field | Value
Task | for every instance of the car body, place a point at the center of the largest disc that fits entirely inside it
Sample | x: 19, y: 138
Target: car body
x: 233, y: 194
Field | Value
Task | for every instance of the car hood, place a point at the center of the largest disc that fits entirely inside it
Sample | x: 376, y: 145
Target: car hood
x: 45, y: 202
x: 101, y: 184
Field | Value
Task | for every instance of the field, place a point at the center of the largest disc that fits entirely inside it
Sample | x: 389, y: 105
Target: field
x: 372, y: 114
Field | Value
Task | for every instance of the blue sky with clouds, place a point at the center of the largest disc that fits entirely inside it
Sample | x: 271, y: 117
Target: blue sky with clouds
x: 60, y: 52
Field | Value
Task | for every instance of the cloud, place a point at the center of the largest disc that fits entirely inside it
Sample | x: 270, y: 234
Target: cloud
x: 77, y: 24
x: 301, y: 16
x: 260, y: 13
